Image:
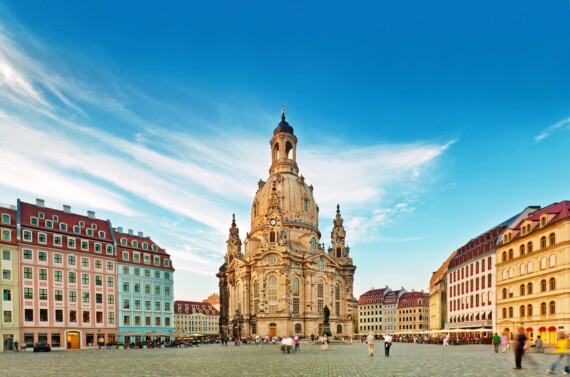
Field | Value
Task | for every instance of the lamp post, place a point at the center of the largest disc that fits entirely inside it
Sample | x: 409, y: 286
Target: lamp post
x: 100, y: 339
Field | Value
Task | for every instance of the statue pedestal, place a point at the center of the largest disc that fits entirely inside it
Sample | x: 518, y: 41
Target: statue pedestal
x: 327, y: 329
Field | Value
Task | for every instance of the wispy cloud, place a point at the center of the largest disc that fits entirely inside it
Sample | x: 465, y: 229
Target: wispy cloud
x: 56, y: 143
x: 562, y: 125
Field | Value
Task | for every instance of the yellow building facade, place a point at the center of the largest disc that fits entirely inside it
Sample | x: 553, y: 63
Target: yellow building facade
x: 438, y: 296
x: 533, y: 274
x: 281, y: 280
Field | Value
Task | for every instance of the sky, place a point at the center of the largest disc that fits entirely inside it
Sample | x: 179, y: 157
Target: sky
x: 428, y: 122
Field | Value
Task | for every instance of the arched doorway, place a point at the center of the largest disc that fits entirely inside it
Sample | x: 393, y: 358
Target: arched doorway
x: 272, y: 330
x: 508, y: 333
x: 73, y: 340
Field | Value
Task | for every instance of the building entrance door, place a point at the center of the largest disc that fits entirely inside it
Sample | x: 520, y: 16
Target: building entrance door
x: 272, y: 330
x: 73, y: 342
x: 8, y: 342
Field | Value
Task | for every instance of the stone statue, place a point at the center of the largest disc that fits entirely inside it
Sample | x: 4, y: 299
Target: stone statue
x: 327, y: 314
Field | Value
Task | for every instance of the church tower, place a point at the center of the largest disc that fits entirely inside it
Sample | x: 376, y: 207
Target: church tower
x: 283, y: 281
x: 338, y: 235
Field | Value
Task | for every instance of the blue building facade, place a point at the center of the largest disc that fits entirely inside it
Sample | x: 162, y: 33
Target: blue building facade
x: 145, y: 289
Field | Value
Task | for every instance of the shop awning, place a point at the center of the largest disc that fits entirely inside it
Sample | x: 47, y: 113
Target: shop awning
x: 552, y: 328
x: 529, y: 329
x: 542, y: 328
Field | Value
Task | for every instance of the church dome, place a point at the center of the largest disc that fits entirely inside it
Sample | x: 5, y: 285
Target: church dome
x: 295, y: 200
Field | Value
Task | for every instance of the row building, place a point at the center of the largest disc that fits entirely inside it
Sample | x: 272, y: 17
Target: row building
x: 64, y: 280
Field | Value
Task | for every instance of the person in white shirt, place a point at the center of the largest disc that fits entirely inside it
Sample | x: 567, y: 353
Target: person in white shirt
x: 370, y: 340
x: 387, y: 344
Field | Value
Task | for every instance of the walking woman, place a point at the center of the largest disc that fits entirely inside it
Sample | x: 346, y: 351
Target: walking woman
x: 504, y: 342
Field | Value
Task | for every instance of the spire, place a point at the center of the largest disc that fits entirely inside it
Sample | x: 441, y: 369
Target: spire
x: 283, y: 126
x: 283, y: 112
x: 338, y: 209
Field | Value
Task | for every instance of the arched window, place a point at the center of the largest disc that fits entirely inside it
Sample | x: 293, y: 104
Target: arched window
x: 543, y: 263
x: 298, y: 328
x: 504, y: 256
x: 255, y: 296
x: 552, y: 307
x: 337, y: 299
x: 504, y: 275
x: 552, y: 238
x: 338, y: 252
x: 320, y: 295
x: 543, y: 285
x: 272, y: 236
x: 552, y: 261
x: 511, y: 312
x: 504, y: 293
x: 339, y: 329
x: 522, y: 269
x: 295, y: 286
x: 511, y: 273
x: 276, y: 152
x: 504, y: 312
x: 529, y: 289
x: 543, y: 221
x: 238, y: 288
x: 529, y: 310
x: 272, y: 294
x: 543, y: 242
x: 511, y: 292
x: 313, y: 243
x: 522, y: 250
x: 552, y: 284
x: 529, y: 247
x: 522, y: 311
x: 254, y: 210
x: 522, y: 289
x: 511, y: 254
x: 288, y: 149
x: 543, y: 308
x: 529, y: 267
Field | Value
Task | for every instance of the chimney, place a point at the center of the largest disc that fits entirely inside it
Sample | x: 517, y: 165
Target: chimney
x: 141, y: 234
x: 40, y: 203
x: 120, y: 229
x: 66, y: 208
x: 91, y: 214
x: 130, y: 232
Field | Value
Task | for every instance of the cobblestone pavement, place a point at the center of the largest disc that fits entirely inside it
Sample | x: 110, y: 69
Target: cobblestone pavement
x: 267, y: 360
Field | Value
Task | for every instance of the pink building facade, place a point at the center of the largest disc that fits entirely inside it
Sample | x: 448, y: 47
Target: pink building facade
x: 68, y: 278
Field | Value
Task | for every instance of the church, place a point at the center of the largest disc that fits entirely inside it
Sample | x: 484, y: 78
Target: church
x: 280, y: 280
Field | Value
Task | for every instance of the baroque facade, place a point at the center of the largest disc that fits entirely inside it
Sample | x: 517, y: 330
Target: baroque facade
x: 283, y: 281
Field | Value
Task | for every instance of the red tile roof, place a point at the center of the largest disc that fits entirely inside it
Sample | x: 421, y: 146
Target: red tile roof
x: 373, y: 296
x: 194, y: 307
x: 410, y: 299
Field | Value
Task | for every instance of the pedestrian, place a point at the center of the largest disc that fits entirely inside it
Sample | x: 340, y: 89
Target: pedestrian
x: 504, y: 342
x: 496, y: 342
x: 370, y: 340
x: 387, y: 344
x: 562, y: 348
x: 446, y: 340
x: 325, y: 342
x: 16, y: 349
x: 521, y: 347
x: 296, y: 342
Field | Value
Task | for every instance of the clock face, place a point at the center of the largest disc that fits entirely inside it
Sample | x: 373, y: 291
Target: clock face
x: 338, y: 239
x: 273, y: 222
x: 271, y: 260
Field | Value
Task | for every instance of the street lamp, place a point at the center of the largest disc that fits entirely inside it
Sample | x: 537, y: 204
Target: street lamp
x: 100, y: 339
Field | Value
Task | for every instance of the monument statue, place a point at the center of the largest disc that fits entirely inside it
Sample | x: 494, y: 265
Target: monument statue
x: 327, y: 314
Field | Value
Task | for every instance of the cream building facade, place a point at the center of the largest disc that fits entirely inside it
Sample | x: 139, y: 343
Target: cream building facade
x: 533, y: 269
x: 194, y: 318
x: 9, y: 280
x: 283, y: 281
x: 438, y: 296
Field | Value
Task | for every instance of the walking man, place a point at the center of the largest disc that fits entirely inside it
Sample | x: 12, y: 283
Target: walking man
x: 496, y: 342
x: 520, y: 348
x: 296, y: 343
x: 370, y: 340
x: 387, y: 344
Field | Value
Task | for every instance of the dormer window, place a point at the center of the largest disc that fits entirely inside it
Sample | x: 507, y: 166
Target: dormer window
x: 542, y: 221
x: 34, y: 220
x: 134, y: 243
x: 41, y: 215
x: 55, y: 218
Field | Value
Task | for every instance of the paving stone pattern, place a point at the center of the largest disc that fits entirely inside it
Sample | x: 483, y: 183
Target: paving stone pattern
x: 267, y: 360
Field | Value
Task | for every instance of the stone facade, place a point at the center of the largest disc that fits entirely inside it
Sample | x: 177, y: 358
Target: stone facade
x: 283, y: 281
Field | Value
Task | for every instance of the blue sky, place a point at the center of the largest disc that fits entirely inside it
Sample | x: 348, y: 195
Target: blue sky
x: 428, y: 122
